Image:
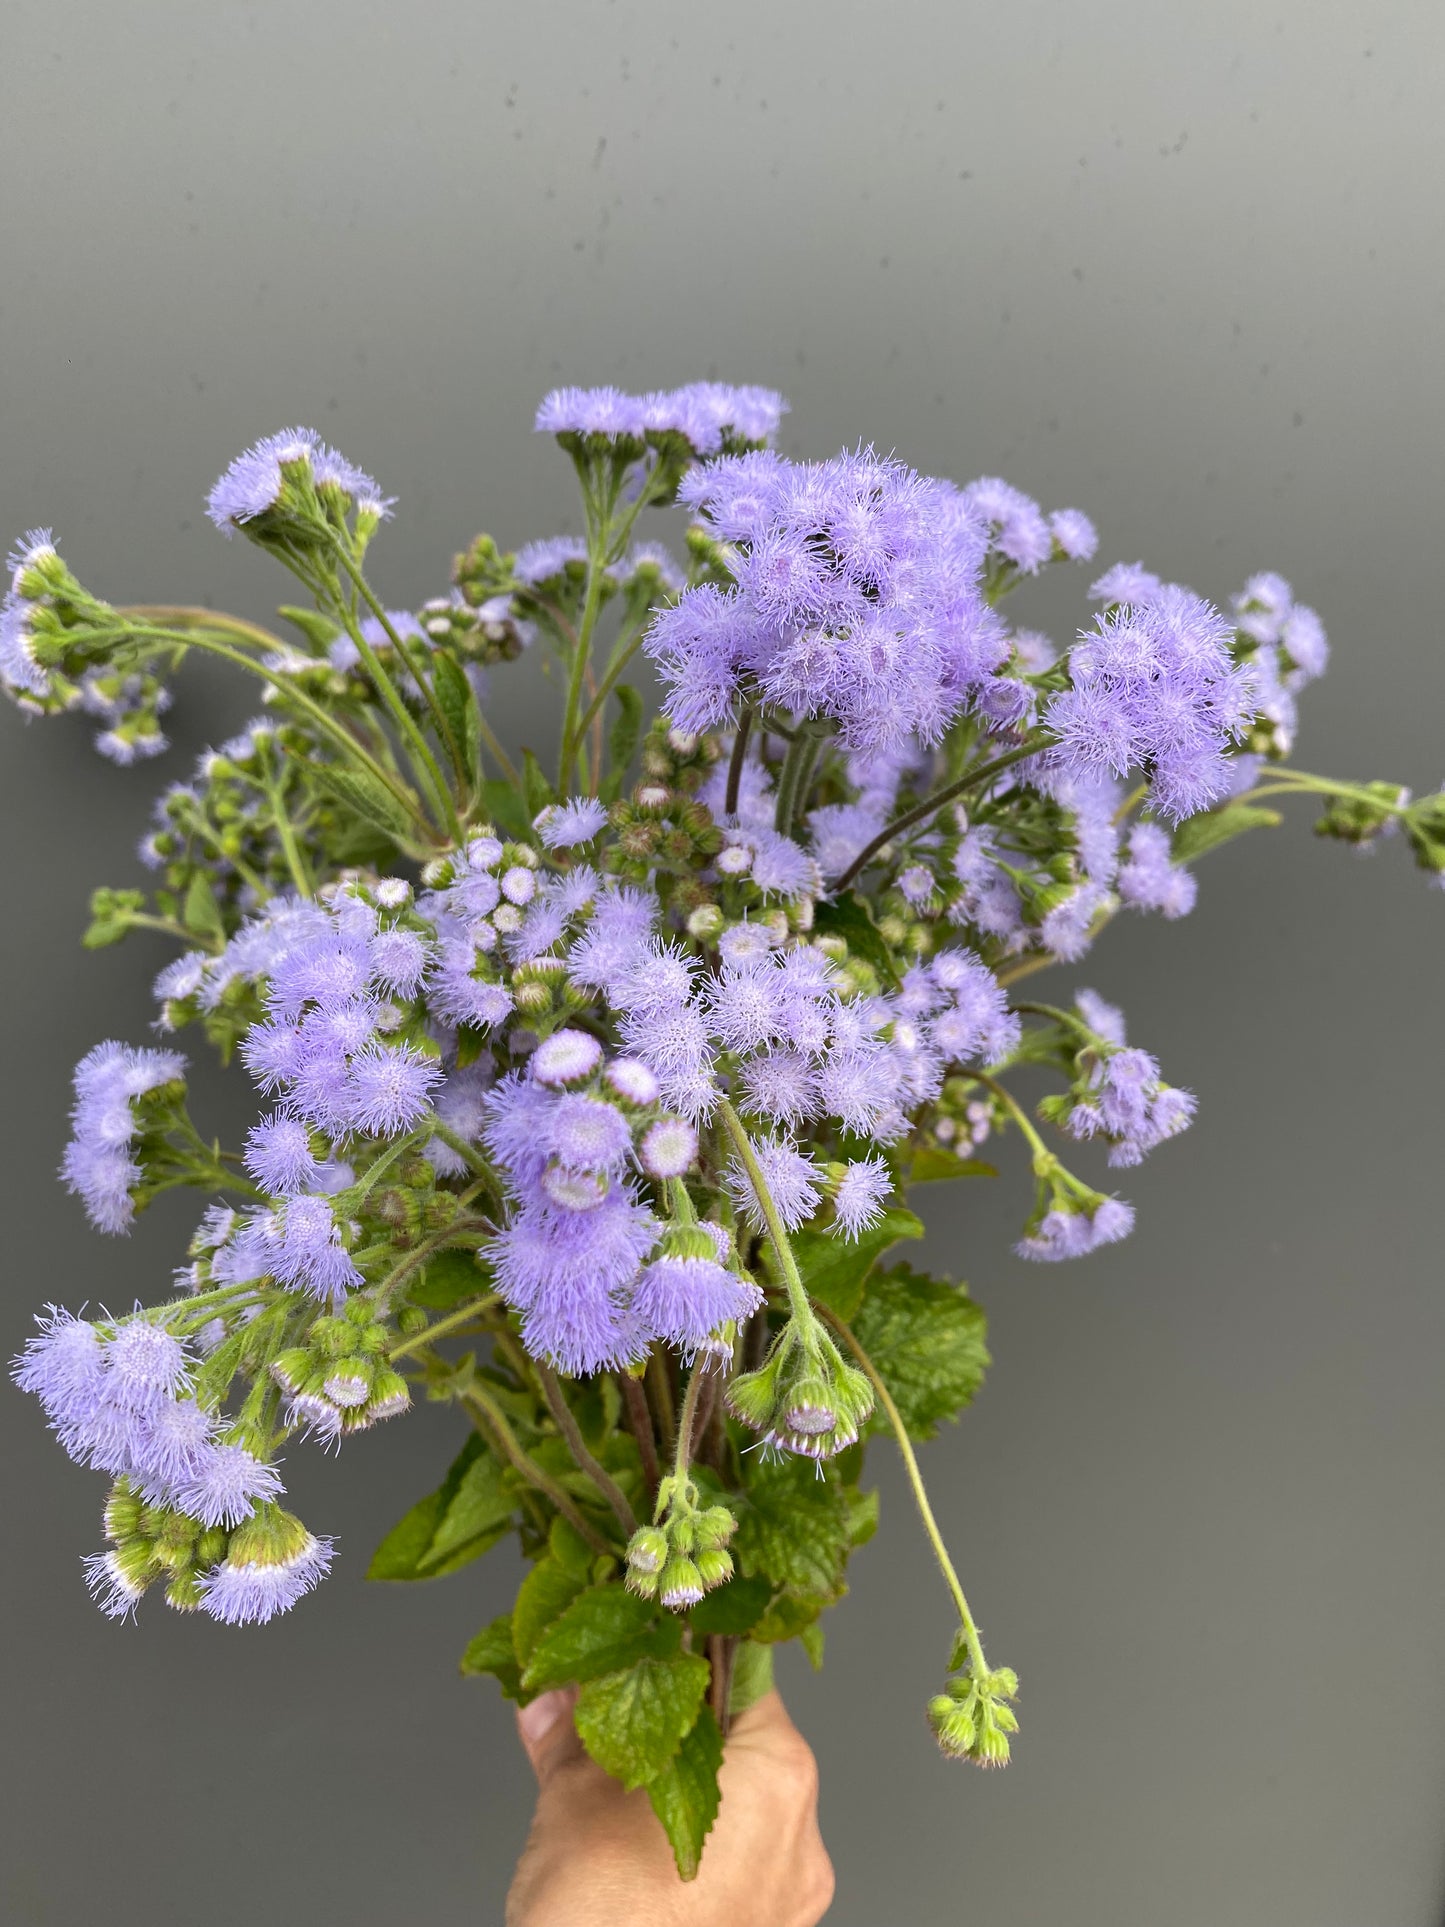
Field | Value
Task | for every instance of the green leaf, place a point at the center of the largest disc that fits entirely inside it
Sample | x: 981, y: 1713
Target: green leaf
x: 862, y: 1513
x: 834, y: 1268
x: 111, y: 913
x: 793, y: 1528
x: 752, y: 1676
x: 685, y: 1795
x: 546, y: 1592
x: 363, y: 794
x: 789, y: 1617
x: 633, y: 1722
x: 811, y: 1640
x: 1212, y: 827
x: 622, y: 740
x: 506, y: 809
x: 202, y: 913
x: 449, y: 1278
x: 926, y: 1337
x: 318, y: 630
x: 732, y: 1609
x: 535, y: 787
x: 456, y: 700
x: 604, y: 1630
x: 570, y: 1549
x: 491, y: 1651
x: 467, y: 1514
x: 933, y: 1163
x: 847, y: 917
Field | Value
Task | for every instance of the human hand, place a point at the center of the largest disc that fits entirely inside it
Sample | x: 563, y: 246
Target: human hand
x: 597, y: 1857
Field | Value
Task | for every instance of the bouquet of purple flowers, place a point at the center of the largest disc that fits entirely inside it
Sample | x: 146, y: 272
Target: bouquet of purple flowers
x: 590, y: 1098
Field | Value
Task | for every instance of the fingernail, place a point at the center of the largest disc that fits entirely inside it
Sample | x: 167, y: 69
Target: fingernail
x: 536, y: 1719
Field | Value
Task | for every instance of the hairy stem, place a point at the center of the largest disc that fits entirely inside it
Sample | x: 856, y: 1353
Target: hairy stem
x: 777, y: 1232
x: 567, y: 1424
x: 974, y: 778
x: 491, y: 1422
x: 443, y: 1327
x: 978, y: 1664
x: 737, y: 760
x: 639, y: 1423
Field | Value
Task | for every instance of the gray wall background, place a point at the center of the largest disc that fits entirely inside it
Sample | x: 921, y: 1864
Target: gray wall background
x: 1180, y: 266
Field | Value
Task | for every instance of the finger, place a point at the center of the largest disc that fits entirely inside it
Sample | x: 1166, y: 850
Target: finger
x: 762, y: 1720
x: 544, y: 1726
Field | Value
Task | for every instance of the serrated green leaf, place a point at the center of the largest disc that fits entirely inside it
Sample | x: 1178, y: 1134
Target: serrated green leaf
x: 467, y: 1514
x: 491, y: 1651
x: 544, y: 1595
x: 604, y: 1630
x: 449, y: 1278
x: 862, y: 1514
x: 685, y: 1795
x: 364, y: 795
x: 732, y: 1609
x: 933, y: 1163
x: 811, y: 1640
x: 926, y: 1336
x: 202, y: 913
x: 1212, y: 827
x: 456, y: 700
x: 622, y: 741
x: 752, y: 1676
x: 570, y: 1549
x: 793, y: 1528
x: 633, y: 1722
x: 789, y: 1617
x: 506, y: 809
x: 834, y: 1268
x: 847, y: 916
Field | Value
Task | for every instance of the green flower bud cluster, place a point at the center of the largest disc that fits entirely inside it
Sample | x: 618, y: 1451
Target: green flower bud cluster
x: 339, y: 1381
x: 972, y: 1719
x: 154, y: 1544
x: 1362, y: 817
x: 963, y: 1116
x: 683, y: 1553
x: 804, y: 1397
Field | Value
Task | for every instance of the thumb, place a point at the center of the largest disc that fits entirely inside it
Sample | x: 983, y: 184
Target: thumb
x: 544, y: 1726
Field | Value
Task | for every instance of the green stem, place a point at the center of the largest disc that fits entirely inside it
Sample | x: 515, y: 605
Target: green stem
x: 796, y: 777
x: 978, y: 1664
x: 610, y: 677
x: 798, y: 1300
x: 406, y: 723
x: 140, y: 920
x: 973, y: 778
x: 685, y: 1423
x: 1044, y: 1161
x: 738, y: 760
x: 491, y: 1422
x: 567, y: 1424
x: 582, y: 655
x: 1293, y: 782
x: 295, y: 862
x: 398, y: 1275
x: 442, y: 1327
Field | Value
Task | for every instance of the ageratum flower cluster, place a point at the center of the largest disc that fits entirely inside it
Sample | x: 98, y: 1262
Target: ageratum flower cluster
x: 588, y: 1101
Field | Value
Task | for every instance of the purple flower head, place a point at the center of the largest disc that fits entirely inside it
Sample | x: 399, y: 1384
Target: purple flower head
x: 586, y: 1134
x: 1064, y: 1232
x: 564, y: 825
x: 1126, y: 582
x: 705, y: 413
x: 170, y: 1448
x: 566, y: 1057
x: 279, y: 1155
x: 633, y: 1082
x: 399, y: 960
x: 145, y: 1365
x: 1105, y: 1020
x: 97, y: 1164
x: 685, y: 1300
x: 307, y: 1252
x: 566, y: 1272
x: 227, y: 1486
x: 1149, y: 879
x: 253, y: 485
x: 668, y: 1148
x: 265, y: 1571
x: 860, y: 1197
x: 1074, y: 534
x: 791, y: 1176
x: 64, y: 1366
x: 1019, y: 530
x: 389, y: 1089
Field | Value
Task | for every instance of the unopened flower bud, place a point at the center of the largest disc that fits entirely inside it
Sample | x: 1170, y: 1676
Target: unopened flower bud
x: 647, y: 1550
x: 681, y: 1585
x: 715, y: 1567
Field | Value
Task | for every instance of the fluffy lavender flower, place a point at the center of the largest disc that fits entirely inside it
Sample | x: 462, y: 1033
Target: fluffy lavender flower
x: 227, y: 1486
x: 685, y: 1300
x: 1150, y: 879
x: 792, y: 1178
x: 1126, y: 583
x: 1061, y: 1233
x: 781, y: 1085
x: 307, y: 1252
x: 1104, y: 1019
x: 1128, y: 1105
x: 399, y: 960
x: 668, y: 1148
x: 64, y: 1366
x: 97, y: 1163
x: 842, y: 831
x: 1019, y: 530
x: 1156, y: 687
x: 250, y: 1592
x: 702, y: 412
x: 389, y: 1089
x: 170, y: 1449
x: 615, y: 940
x: 279, y: 1155
x: 252, y: 486
x: 1074, y: 534
x: 564, y: 825
x: 586, y: 1134
x: 633, y: 1082
x: 565, y: 1272
x: 974, y: 1022
x: 858, y: 1201
x: 1067, y: 928
x: 566, y: 1057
